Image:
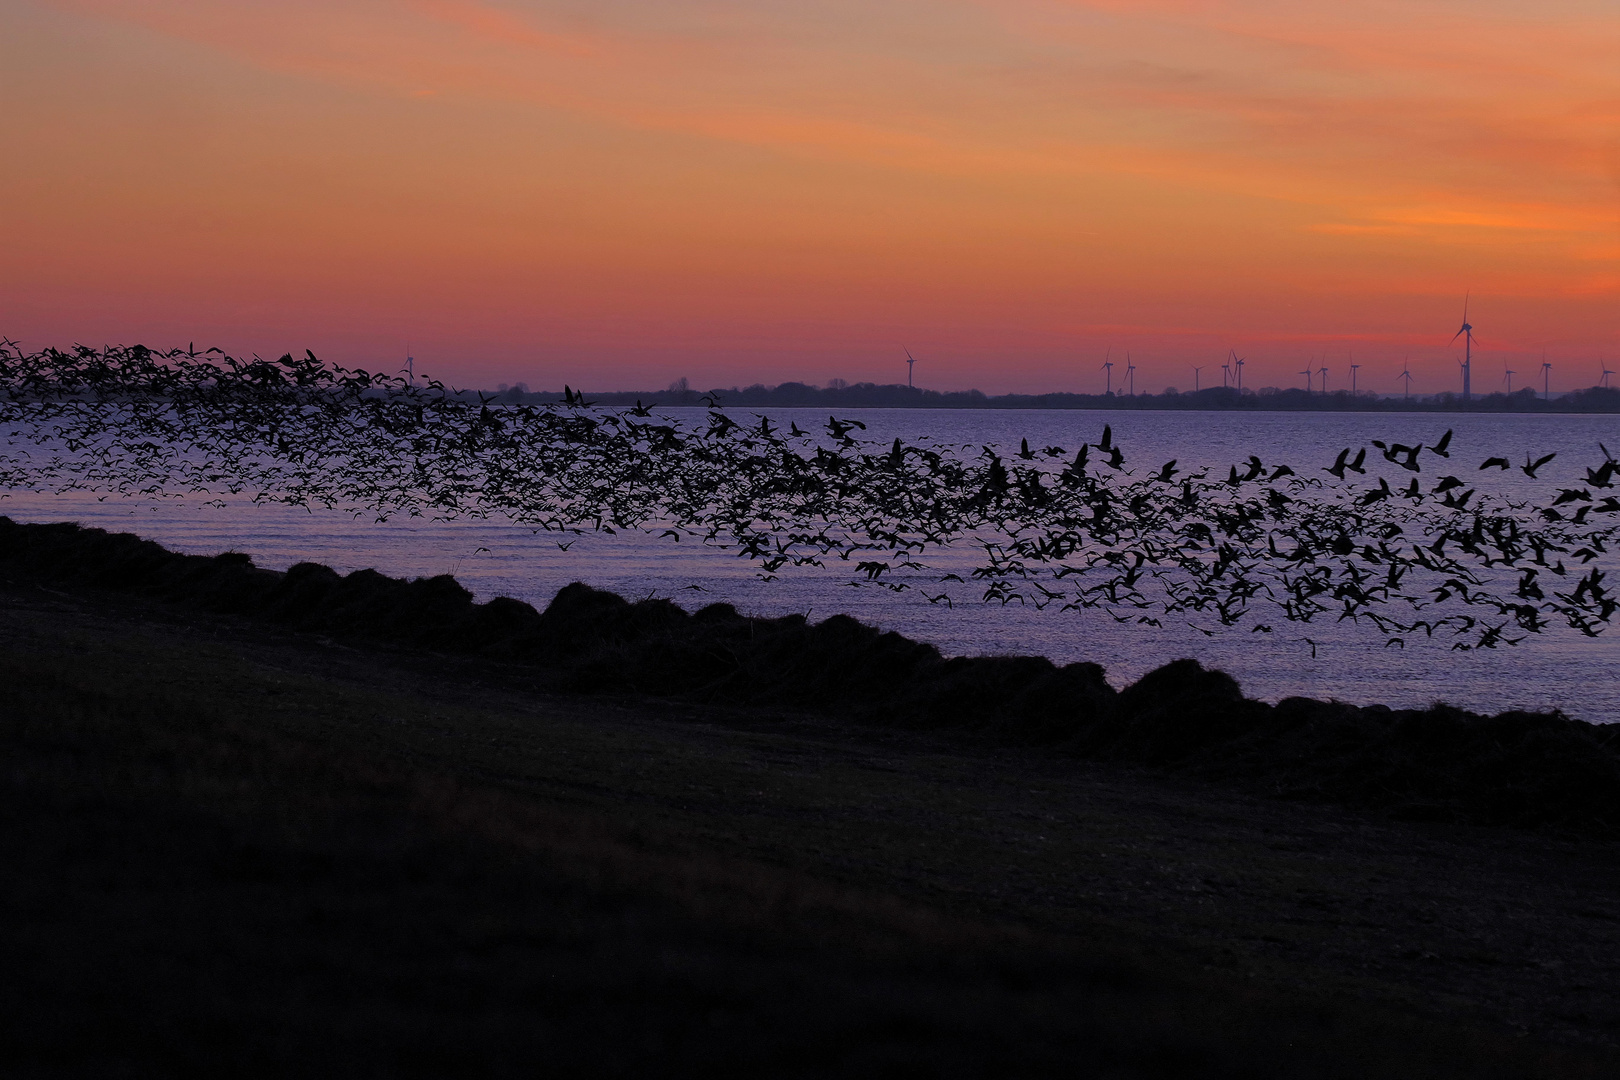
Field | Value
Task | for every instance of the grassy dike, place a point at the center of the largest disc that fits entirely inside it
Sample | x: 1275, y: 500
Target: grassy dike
x: 236, y: 847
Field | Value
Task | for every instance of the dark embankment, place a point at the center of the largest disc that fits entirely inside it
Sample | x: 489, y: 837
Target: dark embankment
x: 190, y: 894
x: 1533, y: 770
x: 230, y: 850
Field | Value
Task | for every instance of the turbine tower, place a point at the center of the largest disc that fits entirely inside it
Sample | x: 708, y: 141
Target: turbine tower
x: 1196, y: 371
x: 1353, y: 368
x: 1467, y: 334
x: 1307, y: 374
x: 1226, y: 375
x: 1604, y: 382
x: 911, y: 362
x: 1546, y: 380
x: 1507, y: 375
x: 1130, y: 372
x: 1322, y: 371
x: 1406, y: 373
x: 1108, y: 365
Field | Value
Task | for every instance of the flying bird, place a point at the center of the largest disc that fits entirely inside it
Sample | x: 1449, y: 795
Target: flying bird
x: 1529, y: 468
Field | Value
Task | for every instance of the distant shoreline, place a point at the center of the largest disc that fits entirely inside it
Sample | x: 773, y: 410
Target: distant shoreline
x: 1592, y: 400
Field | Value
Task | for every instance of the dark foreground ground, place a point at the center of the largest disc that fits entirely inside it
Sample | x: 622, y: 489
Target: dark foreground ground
x: 232, y: 848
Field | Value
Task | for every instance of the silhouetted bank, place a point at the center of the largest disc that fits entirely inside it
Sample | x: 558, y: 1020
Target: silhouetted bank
x: 1517, y: 768
x: 1594, y: 399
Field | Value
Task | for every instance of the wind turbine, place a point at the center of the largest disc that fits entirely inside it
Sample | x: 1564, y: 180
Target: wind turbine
x: 1604, y: 381
x: 1406, y: 373
x: 1322, y: 371
x: 1108, y: 365
x: 1507, y: 374
x: 1196, y: 370
x: 1307, y: 374
x: 1130, y: 372
x: 1467, y: 334
x: 1353, y: 368
x: 1237, y: 366
x: 911, y: 362
x: 1546, y: 379
x: 1226, y: 374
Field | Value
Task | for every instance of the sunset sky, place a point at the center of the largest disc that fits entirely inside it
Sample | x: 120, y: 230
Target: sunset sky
x: 617, y: 193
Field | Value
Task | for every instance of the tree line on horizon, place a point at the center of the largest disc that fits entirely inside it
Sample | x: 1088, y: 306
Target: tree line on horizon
x: 840, y: 395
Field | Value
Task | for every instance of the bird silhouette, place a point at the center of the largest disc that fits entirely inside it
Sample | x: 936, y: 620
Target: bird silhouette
x: 1529, y: 468
x: 121, y: 421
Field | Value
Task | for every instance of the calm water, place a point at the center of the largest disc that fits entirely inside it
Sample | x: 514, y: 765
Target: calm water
x: 1556, y: 669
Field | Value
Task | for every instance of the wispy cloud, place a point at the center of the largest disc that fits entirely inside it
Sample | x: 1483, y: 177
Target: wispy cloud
x: 1393, y: 146
x: 1322, y: 102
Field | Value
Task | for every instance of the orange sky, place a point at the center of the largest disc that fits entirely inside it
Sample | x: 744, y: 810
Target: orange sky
x: 621, y: 192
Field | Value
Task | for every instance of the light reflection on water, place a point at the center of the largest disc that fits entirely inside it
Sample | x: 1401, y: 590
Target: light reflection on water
x: 1559, y: 669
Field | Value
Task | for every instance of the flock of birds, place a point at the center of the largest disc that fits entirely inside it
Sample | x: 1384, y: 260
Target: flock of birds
x: 1077, y: 528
